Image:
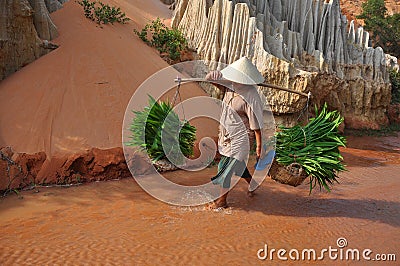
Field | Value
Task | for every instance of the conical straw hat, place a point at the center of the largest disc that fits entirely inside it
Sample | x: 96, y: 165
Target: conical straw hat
x: 242, y: 71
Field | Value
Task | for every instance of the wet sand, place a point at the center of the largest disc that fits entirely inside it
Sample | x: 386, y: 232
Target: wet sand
x: 117, y: 223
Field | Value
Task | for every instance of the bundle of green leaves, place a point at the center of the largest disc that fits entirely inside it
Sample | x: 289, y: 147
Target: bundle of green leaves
x: 315, y: 147
x: 158, y: 131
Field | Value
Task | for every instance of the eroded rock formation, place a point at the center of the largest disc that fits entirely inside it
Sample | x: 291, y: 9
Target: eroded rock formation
x: 22, y: 170
x: 306, y: 45
x: 25, y: 31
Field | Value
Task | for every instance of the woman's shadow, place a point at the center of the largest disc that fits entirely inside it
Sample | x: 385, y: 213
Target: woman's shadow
x: 271, y: 200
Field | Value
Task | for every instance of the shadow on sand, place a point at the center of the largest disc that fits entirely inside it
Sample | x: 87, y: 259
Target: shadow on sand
x: 271, y: 201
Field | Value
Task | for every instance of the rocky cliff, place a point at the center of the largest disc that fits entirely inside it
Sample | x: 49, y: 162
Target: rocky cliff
x: 25, y: 31
x: 305, y: 45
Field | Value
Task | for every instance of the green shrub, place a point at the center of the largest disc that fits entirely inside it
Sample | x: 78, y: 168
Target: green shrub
x: 315, y: 147
x: 102, y: 13
x: 165, y: 40
x: 158, y: 125
x: 395, y: 80
x: 384, y: 29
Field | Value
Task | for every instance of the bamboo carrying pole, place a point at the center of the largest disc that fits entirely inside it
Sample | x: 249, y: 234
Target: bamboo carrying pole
x: 308, y: 95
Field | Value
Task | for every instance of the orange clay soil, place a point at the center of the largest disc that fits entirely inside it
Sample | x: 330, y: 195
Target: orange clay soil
x: 117, y: 223
x: 65, y: 110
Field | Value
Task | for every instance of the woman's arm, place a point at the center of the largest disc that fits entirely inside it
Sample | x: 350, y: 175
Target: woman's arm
x: 259, y: 150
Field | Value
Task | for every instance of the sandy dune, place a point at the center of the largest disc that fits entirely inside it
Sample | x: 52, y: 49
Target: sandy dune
x: 75, y: 97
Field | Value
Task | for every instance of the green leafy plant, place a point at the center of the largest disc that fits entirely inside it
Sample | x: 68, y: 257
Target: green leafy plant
x: 102, y: 13
x: 385, y: 29
x: 165, y: 40
x: 158, y: 131
x: 395, y: 80
x: 315, y: 147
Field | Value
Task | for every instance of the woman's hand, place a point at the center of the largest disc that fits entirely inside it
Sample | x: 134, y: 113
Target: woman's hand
x: 214, y: 75
x: 260, y: 152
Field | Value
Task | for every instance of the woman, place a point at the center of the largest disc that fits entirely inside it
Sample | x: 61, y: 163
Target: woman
x: 241, y: 122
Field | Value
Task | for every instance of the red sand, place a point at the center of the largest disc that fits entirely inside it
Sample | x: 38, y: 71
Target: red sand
x: 74, y: 98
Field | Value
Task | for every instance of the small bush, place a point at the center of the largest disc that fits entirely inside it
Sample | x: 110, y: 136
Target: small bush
x: 102, y: 13
x: 395, y: 80
x: 165, y: 40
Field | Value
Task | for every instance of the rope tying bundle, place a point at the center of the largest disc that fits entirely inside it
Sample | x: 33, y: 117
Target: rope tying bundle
x: 178, y: 94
